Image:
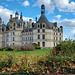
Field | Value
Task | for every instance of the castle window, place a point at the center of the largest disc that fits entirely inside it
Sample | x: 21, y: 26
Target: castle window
x: 38, y: 36
x: 30, y: 38
x: 60, y: 38
x: 54, y: 43
x: 38, y: 26
x: 38, y: 30
x: 13, y: 33
x: 60, y: 33
x: 43, y: 44
x: 56, y: 38
x: 43, y: 30
x: 26, y: 38
x: 13, y: 38
x: 14, y: 28
x: 43, y: 25
x: 43, y: 36
x: 38, y: 43
x: 56, y: 34
x: 10, y: 27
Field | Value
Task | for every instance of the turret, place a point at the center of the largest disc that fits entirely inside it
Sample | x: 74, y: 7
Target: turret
x: 11, y: 16
x: 0, y: 24
x: 16, y: 15
x: 43, y: 9
x: 36, y: 19
x: 61, y: 27
x: 21, y: 16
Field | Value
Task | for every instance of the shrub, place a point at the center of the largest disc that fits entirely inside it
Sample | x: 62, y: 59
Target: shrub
x: 27, y: 47
x: 17, y: 47
x: 36, y: 46
x: 6, y: 49
x: 66, y: 47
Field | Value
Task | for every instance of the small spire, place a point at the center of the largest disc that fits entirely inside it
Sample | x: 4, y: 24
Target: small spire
x: 21, y: 13
x: 21, y: 16
x: 0, y: 18
x: 17, y: 12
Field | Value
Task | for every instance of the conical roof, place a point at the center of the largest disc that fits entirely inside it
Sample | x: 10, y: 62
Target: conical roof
x: 43, y: 19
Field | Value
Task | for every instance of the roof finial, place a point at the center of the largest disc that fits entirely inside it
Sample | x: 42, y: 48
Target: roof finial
x: 17, y: 12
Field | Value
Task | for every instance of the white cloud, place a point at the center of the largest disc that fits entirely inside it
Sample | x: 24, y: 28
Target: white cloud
x: 66, y: 22
x: 48, y: 3
x: 5, y: 15
x: 65, y: 5
x: 73, y: 31
x: 58, y: 16
x: 25, y: 3
x: 61, y: 5
x: 27, y: 18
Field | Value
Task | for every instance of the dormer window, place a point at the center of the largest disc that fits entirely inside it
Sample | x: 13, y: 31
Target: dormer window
x: 43, y: 25
x: 38, y: 26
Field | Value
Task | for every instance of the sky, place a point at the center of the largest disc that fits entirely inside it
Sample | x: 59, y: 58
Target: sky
x: 60, y: 11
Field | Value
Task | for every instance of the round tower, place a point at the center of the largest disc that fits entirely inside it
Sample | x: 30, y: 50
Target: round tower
x: 42, y: 9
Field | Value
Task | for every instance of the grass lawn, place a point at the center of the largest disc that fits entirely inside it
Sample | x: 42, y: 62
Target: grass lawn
x: 30, y: 55
x: 37, y: 51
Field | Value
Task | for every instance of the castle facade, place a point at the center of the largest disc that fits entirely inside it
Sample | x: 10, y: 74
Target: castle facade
x: 44, y: 33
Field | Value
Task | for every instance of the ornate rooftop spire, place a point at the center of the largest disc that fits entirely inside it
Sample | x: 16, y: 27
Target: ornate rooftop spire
x: 42, y: 9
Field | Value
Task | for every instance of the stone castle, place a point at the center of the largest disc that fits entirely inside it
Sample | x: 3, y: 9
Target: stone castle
x: 43, y: 32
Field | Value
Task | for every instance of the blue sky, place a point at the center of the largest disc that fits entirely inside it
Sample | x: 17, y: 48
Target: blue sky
x: 60, y: 11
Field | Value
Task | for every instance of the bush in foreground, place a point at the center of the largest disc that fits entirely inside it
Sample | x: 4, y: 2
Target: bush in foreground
x: 66, y: 47
x: 36, y: 46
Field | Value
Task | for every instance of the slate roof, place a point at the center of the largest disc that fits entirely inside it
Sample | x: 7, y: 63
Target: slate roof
x: 18, y: 23
x: 43, y: 19
x: 28, y: 30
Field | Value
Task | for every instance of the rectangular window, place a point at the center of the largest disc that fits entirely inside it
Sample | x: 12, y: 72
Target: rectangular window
x: 38, y: 26
x: 38, y: 30
x: 26, y: 38
x: 60, y: 33
x: 43, y: 44
x: 43, y: 30
x: 13, y: 33
x: 38, y: 36
x: 13, y: 38
x: 30, y: 38
x: 56, y: 38
x: 43, y: 36
x: 60, y: 38
x: 54, y: 43
x: 38, y: 43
